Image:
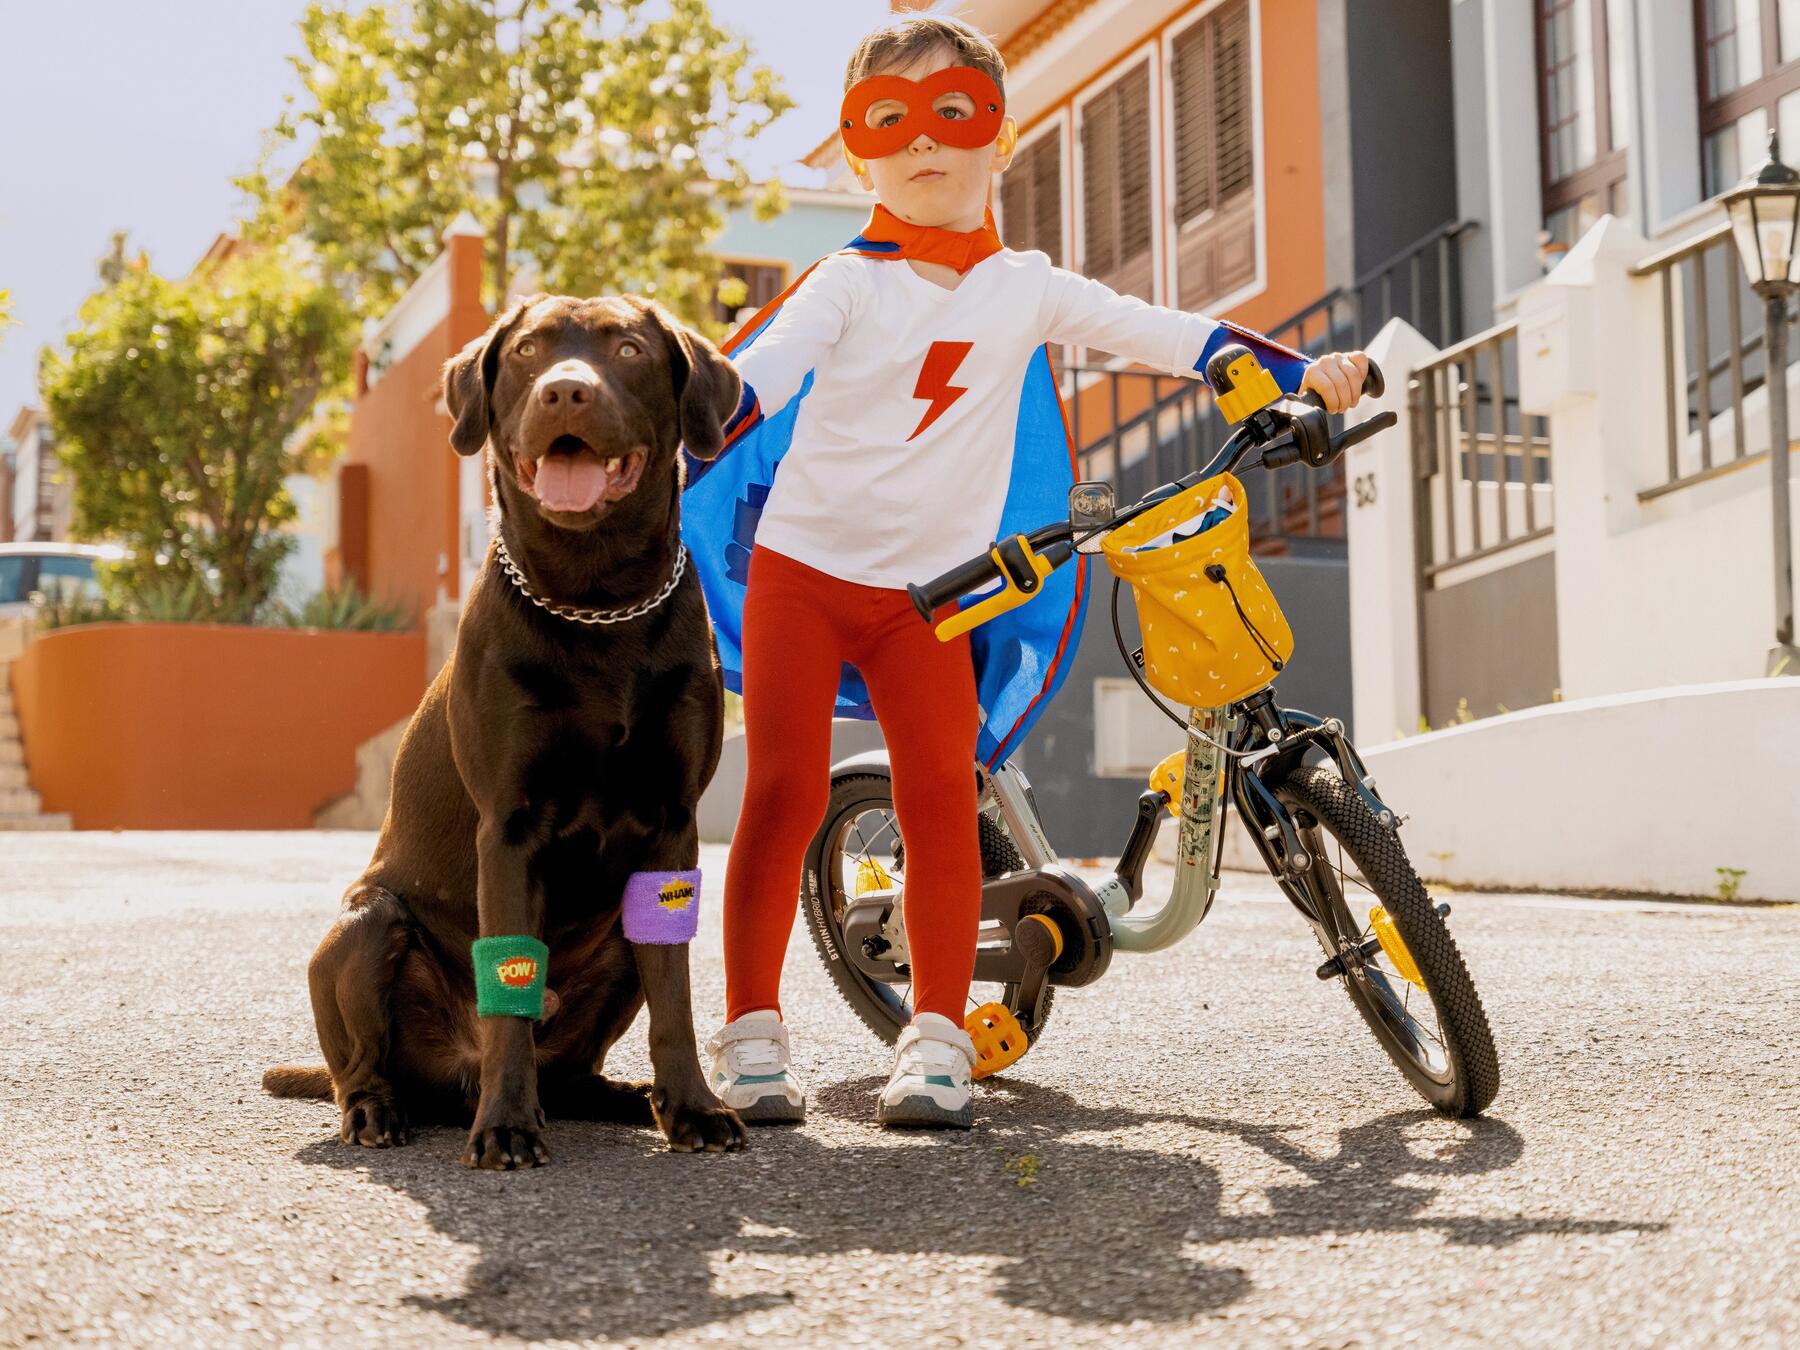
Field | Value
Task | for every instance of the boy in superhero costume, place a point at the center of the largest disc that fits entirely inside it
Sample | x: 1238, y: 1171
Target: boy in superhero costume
x: 902, y: 387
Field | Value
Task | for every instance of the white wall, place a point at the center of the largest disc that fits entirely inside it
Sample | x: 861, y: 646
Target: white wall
x: 1649, y: 792
x: 1674, y: 590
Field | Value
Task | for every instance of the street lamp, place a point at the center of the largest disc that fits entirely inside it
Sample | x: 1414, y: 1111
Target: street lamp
x: 1765, y: 219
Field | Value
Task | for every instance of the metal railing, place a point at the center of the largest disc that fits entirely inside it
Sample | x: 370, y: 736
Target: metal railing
x: 1159, y: 427
x: 1153, y: 427
x: 1421, y: 284
x: 1482, y: 467
x: 1712, y: 325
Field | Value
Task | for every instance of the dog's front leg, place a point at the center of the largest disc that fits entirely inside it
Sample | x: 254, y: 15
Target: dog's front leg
x: 508, y: 1129
x: 686, y: 1110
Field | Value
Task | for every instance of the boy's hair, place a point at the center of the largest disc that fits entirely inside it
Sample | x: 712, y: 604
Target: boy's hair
x: 903, y: 42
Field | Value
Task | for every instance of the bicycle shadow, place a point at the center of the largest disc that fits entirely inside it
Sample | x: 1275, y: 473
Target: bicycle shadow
x: 620, y: 1239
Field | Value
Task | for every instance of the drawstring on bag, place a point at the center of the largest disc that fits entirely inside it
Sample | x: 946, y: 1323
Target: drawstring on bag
x: 1216, y: 572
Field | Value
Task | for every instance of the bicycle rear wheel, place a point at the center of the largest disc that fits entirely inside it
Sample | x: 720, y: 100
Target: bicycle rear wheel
x: 1415, y: 994
x: 860, y: 828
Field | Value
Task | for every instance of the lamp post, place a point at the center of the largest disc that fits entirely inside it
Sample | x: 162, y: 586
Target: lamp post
x: 1765, y: 220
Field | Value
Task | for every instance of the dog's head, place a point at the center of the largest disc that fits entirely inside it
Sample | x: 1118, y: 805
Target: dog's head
x: 587, y: 401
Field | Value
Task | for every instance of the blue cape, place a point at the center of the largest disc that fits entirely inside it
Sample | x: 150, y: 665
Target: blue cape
x: 1021, y: 658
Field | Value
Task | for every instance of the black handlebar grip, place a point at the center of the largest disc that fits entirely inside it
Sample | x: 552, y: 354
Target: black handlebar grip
x: 958, y: 581
x: 1363, y: 430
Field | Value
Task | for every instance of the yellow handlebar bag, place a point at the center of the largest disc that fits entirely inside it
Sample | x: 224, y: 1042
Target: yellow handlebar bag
x: 1213, y: 633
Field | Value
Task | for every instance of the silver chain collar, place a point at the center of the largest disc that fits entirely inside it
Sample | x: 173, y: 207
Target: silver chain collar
x: 579, y: 614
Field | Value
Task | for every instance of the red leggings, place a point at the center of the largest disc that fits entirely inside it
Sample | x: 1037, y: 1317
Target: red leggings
x: 800, y: 627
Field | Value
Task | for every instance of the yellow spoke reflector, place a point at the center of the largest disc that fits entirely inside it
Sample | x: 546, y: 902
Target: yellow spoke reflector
x: 1395, y: 946
x: 872, y: 876
x: 999, y: 1039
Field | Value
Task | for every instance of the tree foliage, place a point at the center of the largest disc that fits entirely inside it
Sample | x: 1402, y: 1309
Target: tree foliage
x: 594, y: 142
x: 182, y: 405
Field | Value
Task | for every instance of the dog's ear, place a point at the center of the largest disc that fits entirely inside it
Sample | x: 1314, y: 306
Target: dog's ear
x: 469, y: 380
x: 707, y: 386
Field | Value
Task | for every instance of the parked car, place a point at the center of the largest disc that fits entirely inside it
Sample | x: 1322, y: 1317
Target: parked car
x: 60, y: 570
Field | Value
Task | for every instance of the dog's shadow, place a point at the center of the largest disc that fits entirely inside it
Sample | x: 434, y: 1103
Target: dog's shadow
x: 619, y: 1238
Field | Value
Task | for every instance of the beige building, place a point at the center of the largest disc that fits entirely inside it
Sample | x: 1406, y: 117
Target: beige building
x: 42, y: 496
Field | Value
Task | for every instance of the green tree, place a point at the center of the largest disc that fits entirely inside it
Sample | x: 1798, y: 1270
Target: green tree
x: 182, y: 405
x: 6, y: 318
x: 594, y: 141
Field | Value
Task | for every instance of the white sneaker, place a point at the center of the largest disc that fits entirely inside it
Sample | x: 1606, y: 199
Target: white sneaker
x: 930, y: 1086
x: 752, y: 1072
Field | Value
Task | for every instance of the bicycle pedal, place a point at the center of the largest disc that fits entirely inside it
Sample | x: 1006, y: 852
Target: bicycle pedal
x: 999, y: 1039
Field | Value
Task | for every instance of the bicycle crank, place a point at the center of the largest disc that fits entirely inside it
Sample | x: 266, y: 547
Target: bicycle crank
x: 1000, y: 1039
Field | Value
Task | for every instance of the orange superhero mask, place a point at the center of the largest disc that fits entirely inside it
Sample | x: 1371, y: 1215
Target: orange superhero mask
x: 923, y: 118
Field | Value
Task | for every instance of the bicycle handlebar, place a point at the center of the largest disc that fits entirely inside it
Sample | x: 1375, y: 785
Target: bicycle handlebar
x: 1022, y: 568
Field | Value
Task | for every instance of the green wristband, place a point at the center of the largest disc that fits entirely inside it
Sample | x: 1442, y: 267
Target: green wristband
x: 509, y: 976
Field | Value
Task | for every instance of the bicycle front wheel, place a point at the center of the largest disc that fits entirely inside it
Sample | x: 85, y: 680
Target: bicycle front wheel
x: 1402, y: 968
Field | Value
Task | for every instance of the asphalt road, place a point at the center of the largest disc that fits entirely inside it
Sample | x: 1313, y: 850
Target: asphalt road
x: 1207, y: 1144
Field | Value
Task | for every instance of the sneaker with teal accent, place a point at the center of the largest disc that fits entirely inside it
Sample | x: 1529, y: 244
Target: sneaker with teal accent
x: 934, y: 1063
x: 752, y: 1071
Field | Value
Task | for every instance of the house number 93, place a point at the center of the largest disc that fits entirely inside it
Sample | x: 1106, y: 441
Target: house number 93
x: 1365, y: 489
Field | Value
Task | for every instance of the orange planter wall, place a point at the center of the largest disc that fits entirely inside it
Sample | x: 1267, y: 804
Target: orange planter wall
x: 191, y: 726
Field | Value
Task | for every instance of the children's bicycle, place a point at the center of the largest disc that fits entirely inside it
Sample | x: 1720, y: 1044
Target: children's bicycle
x: 1213, y: 640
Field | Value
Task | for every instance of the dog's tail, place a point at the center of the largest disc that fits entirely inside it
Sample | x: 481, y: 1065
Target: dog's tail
x: 312, y: 1081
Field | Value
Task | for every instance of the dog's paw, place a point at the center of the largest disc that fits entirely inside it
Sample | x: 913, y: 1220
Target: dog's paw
x: 504, y: 1148
x: 709, y: 1128
x: 374, y: 1122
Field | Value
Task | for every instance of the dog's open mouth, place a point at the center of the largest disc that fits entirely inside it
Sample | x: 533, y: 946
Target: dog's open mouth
x: 573, y: 476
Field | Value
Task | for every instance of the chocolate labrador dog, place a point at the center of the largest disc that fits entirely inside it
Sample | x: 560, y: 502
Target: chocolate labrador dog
x: 564, y: 747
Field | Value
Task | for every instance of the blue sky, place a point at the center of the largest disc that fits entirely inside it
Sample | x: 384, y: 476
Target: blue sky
x: 122, y: 114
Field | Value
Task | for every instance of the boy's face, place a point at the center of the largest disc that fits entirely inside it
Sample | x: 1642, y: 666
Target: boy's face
x: 928, y: 182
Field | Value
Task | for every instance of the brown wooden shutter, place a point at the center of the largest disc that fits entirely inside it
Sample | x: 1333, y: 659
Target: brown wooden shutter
x: 1031, y: 199
x: 1215, y: 206
x: 1115, y: 190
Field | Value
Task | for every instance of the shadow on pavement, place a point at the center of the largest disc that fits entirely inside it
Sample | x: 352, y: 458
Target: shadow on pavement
x: 618, y: 1238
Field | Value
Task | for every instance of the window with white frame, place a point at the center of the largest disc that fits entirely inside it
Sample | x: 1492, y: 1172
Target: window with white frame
x: 1031, y: 216
x: 1117, y: 228
x: 1213, y: 118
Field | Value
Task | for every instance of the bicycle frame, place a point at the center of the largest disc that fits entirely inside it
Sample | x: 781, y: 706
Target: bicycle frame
x: 1225, y: 746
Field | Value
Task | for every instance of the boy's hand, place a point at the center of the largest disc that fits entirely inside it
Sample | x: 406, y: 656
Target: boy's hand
x: 1337, y: 378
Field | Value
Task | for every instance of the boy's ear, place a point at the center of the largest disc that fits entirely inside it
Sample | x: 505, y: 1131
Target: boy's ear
x: 707, y: 387
x: 1006, y: 144
x: 860, y: 169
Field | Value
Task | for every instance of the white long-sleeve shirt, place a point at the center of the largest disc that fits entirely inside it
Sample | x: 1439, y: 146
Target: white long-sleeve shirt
x: 902, y: 451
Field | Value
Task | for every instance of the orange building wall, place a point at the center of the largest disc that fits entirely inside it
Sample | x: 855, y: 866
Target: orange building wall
x: 402, y: 442
x: 196, y: 726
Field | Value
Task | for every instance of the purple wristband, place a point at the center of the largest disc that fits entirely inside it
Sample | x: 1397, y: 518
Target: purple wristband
x: 662, y: 907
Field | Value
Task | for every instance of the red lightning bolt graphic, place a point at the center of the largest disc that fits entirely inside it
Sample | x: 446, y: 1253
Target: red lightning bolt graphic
x: 934, y: 381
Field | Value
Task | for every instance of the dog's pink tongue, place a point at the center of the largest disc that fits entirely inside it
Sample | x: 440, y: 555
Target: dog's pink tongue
x: 570, y: 482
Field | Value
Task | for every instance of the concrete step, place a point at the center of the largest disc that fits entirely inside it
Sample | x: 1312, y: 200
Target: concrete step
x: 9, y: 727
x: 13, y: 776
x: 36, y: 821
x: 12, y: 750
x: 20, y: 802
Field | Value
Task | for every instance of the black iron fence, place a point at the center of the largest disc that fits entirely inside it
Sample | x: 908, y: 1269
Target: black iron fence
x: 1137, y: 428
x: 1712, y: 325
x: 1482, y: 466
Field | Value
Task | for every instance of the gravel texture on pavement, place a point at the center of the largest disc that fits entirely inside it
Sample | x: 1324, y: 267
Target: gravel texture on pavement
x: 1208, y: 1144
